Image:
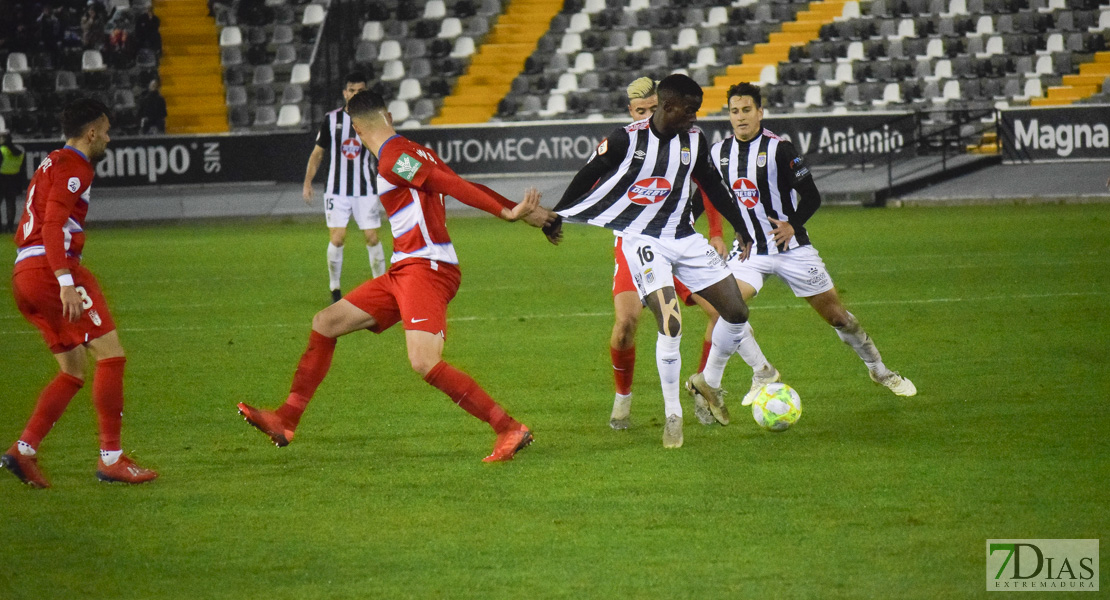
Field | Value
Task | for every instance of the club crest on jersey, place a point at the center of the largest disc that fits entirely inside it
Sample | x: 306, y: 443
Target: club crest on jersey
x: 685, y: 155
x: 761, y: 160
x: 649, y: 276
x: 649, y: 191
x: 746, y: 192
x: 406, y: 167
x: 73, y: 185
x: 350, y: 148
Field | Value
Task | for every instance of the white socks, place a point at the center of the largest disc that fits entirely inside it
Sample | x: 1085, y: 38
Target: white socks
x: 335, y: 265
x: 854, y: 335
x: 669, y: 361
x: 729, y: 338
x: 109, y: 457
x: 377, y: 259
x: 25, y: 449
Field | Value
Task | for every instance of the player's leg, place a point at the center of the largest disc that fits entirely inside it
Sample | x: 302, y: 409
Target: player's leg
x: 668, y: 360
x: 336, y: 236
x: 711, y: 316
x: 622, y: 343
x: 339, y: 319
x: 368, y: 213
x: 848, y: 328
x: 21, y: 459
x: 107, y: 395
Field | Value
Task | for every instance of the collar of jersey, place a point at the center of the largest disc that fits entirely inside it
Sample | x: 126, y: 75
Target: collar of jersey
x: 754, y: 139
x: 82, y: 154
x: 391, y: 138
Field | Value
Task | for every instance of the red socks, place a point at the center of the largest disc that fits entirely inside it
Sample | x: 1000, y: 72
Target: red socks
x: 466, y: 392
x: 624, y: 363
x: 311, y: 370
x: 705, y: 347
x: 107, y: 396
x: 51, y: 404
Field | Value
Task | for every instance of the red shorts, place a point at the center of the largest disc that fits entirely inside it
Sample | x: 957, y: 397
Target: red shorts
x: 412, y: 292
x: 36, y: 294
x: 622, y: 278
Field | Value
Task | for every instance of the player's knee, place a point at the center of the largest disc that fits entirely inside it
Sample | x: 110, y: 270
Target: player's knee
x: 324, y: 323
x: 624, y: 330
x: 843, y: 320
x: 735, y: 313
x: 372, y: 237
x: 423, y: 363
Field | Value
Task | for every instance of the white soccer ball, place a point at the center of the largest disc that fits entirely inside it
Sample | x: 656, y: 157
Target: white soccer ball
x: 776, y: 407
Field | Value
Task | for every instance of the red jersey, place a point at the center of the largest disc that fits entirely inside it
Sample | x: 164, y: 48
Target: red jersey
x: 52, y: 230
x: 412, y: 181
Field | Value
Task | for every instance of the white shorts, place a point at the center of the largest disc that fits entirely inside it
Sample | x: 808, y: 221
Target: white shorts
x: 655, y: 263
x: 367, y: 211
x: 801, y: 268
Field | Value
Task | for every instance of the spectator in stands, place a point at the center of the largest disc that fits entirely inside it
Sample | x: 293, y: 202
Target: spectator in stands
x: 12, y: 181
x: 92, y: 28
x: 152, y: 110
x: 120, y: 50
x: 146, y: 31
x: 49, y: 32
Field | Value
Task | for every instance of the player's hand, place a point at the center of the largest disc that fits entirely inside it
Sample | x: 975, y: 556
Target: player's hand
x: 743, y: 248
x: 783, y: 232
x: 308, y: 194
x: 554, y: 230
x: 718, y: 244
x: 530, y: 203
x: 71, y: 304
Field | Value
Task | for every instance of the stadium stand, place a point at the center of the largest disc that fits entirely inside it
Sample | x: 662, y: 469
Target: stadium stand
x: 52, y: 52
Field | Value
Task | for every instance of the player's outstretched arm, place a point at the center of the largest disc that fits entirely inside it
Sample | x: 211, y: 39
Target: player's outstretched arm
x: 540, y: 217
x: 527, y: 206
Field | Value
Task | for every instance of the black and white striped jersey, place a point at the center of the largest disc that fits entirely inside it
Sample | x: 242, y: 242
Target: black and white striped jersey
x: 353, y: 170
x: 638, y: 183
x: 768, y: 179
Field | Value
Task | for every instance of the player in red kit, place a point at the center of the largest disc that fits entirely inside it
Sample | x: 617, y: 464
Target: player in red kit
x: 423, y: 278
x: 62, y: 299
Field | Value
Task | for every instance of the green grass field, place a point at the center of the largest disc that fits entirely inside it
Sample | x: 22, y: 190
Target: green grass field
x: 996, y: 313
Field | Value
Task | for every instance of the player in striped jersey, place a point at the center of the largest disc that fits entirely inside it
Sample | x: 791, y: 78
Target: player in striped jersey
x: 642, y: 102
x: 778, y: 197
x: 415, y: 290
x: 640, y: 182
x: 351, y: 189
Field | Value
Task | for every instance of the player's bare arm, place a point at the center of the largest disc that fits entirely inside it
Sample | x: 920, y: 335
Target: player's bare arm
x: 314, y: 161
x: 71, y: 300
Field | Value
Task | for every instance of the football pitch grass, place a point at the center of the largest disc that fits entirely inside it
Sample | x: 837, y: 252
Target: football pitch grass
x: 996, y: 313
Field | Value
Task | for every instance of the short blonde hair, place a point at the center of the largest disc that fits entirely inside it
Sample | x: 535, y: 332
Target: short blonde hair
x: 643, y: 87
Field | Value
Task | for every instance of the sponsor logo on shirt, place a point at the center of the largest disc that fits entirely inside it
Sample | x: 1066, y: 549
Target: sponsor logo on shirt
x: 603, y: 147
x: 350, y: 148
x: 649, y: 191
x: 406, y: 167
x: 746, y: 192
x: 800, y: 170
x: 73, y: 185
x: 640, y: 154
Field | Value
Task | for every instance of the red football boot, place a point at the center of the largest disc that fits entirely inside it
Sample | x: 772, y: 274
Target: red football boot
x: 268, y: 422
x: 123, y: 470
x: 509, y: 443
x: 26, y: 468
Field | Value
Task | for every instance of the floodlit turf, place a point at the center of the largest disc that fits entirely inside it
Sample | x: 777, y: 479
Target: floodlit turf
x: 996, y: 313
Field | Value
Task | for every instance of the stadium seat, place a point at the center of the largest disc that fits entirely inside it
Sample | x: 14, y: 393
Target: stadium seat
x: 423, y: 110
x: 571, y: 44
x: 289, y: 116
x: 389, y: 50
x: 392, y: 70
x: 399, y: 109
x: 302, y: 74
x: 263, y: 75
x: 283, y: 34
x: 641, y: 40
x: 231, y: 36
x: 568, y: 82
x: 556, y: 105
x: 409, y: 89
x: 123, y: 99
x: 463, y: 48
x: 287, y: 55
x: 239, y: 117
x: 236, y: 96
x: 292, y: 94
x: 583, y: 63
x: 231, y: 56
x: 450, y: 29
x: 92, y: 60
x: 65, y: 81
x: 579, y: 23
x: 17, y: 63
x: 313, y: 15
x: 264, y: 95
x: 373, y: 31
x: 687, y: 38
x: 435, y: 9
x: 265, y: 116
x: 707, y: 57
